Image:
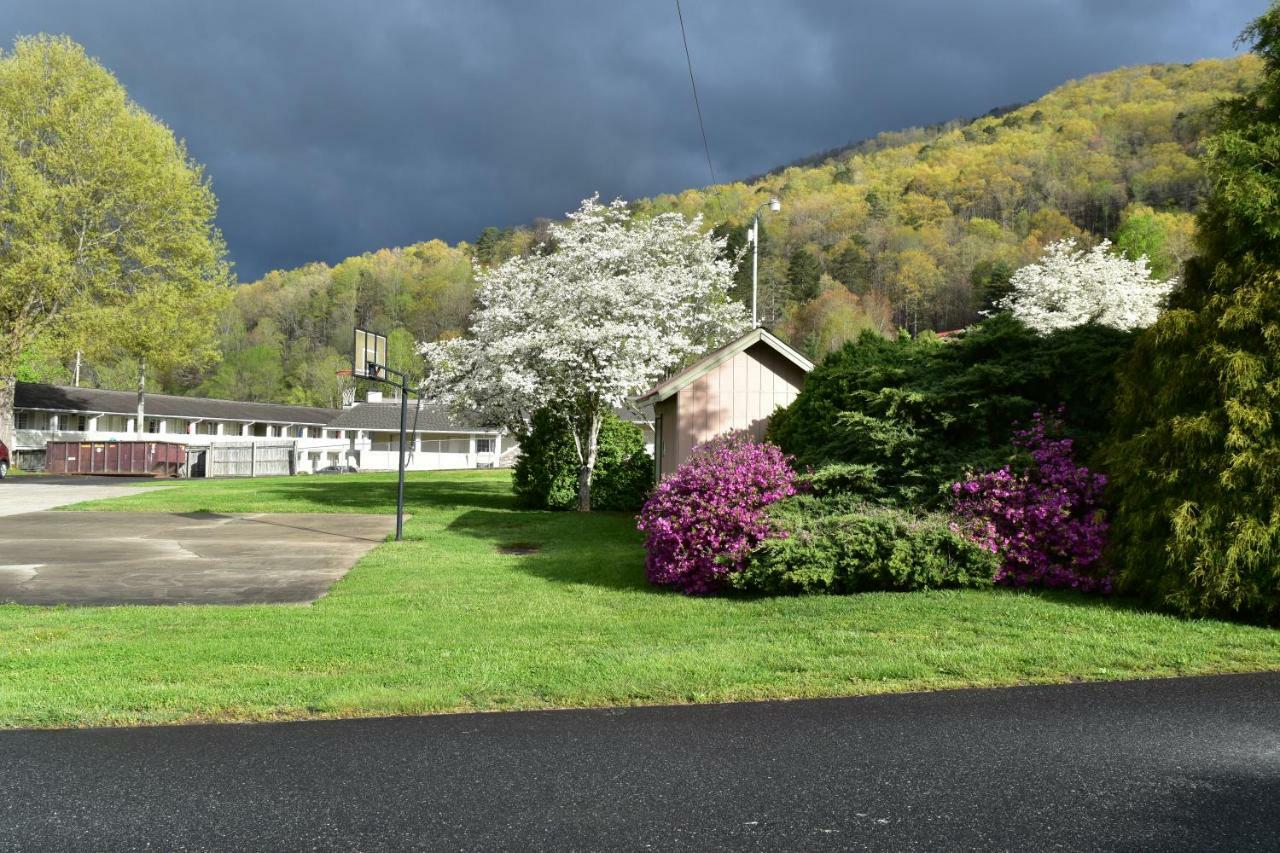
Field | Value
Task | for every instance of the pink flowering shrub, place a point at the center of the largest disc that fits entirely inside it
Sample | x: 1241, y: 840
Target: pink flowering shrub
x: 702, y: 520
x: 1046, y: 522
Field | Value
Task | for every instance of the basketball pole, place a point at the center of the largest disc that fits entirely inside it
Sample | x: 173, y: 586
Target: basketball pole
x: 364, y: 367
x: 404, y: 426
x: 378, y: 375
x: 404, y: 411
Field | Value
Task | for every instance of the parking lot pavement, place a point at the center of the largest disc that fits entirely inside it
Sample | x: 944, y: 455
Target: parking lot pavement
x: 32, y: 493
x: 106, y: 558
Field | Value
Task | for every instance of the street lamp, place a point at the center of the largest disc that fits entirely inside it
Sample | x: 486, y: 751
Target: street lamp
x: 775, y: 205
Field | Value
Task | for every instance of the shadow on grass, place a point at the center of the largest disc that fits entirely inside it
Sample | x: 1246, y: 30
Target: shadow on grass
x: 1093, y: 601
x: 365, y: 494
x: 600, y: 549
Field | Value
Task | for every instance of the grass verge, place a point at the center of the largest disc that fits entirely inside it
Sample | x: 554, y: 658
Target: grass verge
x: 446, y: 621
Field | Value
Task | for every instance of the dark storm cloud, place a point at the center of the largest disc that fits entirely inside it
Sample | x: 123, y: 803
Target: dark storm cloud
x: 332, y: 128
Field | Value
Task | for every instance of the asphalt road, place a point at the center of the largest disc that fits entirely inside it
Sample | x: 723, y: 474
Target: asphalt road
x: 1189, y: 764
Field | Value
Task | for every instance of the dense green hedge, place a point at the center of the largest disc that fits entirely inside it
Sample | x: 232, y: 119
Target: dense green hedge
x: 841, y: 546
x: 546, y: 472
x: 903, y: 418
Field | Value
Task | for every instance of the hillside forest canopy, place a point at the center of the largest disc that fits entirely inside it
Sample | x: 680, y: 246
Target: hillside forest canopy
x: 914, y: 230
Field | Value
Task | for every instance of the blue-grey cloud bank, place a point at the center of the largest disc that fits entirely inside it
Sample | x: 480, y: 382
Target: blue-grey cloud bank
x: 331, y: 128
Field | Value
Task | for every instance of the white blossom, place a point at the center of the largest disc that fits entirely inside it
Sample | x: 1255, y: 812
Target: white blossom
x: 1068, y: 287
x: 598, y: 316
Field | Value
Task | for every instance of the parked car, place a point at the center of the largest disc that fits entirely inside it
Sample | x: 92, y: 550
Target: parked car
x: 339, y: 469
x: 4, y: 461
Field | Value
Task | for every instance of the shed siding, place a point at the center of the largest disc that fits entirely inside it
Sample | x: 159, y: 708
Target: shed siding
x: 667, y: 422
x: 740, y: 393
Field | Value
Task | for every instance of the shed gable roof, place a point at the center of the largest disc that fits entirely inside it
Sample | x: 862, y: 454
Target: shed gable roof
x: 673, y: 384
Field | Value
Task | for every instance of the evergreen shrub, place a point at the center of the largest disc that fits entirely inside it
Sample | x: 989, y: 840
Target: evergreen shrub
x: 905, y: 418
x: 834, y: 545
x: 545, y: 475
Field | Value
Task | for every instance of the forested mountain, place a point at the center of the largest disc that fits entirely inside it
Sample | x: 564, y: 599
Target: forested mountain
x: 913, y: 229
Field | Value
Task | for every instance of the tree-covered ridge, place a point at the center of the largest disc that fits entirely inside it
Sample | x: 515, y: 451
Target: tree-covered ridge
x: 919, y: 228
x: 930, y: 222
x: 289, y: 333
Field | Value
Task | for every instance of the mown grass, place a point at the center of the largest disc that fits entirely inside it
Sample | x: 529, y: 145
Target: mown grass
x: 445, y: 622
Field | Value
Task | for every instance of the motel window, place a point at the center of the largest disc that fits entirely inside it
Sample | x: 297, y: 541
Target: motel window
x: 153, y: 425
x: 484, y: 445
x: 24, y: 420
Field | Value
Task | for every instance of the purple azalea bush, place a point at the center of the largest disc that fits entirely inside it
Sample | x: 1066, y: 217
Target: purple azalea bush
x: 1046, y: 522
x: 702, y: 520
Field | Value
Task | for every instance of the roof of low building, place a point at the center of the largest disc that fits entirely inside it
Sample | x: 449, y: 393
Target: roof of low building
x: 385, y: 417
x: 64, y: 398
x: 672, y: 384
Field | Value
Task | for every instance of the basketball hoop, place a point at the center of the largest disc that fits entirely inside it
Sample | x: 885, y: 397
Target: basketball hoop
x: 347, y: 387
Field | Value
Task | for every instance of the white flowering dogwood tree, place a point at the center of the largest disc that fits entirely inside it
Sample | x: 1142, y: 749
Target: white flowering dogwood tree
x: 608, y: 307
x: 1069, y: 287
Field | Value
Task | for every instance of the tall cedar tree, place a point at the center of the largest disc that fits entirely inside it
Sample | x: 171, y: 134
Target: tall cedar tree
x: 1195, y: 457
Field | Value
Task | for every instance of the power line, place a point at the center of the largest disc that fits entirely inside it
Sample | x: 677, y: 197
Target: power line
x: 694, y: 84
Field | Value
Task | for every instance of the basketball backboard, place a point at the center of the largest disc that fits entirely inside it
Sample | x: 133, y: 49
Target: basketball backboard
x: 369, y: 355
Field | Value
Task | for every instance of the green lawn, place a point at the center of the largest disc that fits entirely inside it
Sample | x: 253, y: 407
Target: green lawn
x: 445, y: 622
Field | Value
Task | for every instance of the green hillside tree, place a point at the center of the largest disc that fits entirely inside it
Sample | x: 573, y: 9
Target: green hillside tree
x: 107, y: 224
x: 1196, y: 454
x: 804, y: 275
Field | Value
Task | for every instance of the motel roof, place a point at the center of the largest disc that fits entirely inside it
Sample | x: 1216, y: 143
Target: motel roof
x: 64, y: 398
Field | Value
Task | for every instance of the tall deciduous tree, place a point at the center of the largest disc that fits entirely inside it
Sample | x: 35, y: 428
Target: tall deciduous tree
x: 618, y: 303
x: 106, y: 225
x: 1196, y: 453
x: 1070, y: 287
x: 833, y: 319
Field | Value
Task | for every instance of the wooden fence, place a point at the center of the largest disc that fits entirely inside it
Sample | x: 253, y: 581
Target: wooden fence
x: 255, y: 459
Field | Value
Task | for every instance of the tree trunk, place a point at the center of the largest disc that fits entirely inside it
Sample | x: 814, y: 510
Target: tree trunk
x: 141, y: 425
x: 587, y: 455
x: 8, y: 433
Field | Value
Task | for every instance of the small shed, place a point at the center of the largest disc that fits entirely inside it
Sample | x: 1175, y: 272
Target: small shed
x: 735, y: 387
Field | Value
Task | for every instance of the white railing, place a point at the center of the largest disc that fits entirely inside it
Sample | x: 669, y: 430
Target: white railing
x: 382, y: 460
x: 34, y: 439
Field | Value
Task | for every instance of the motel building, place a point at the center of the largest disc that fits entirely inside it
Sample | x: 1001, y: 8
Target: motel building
x: 365, y: 434
x: 435, y: 441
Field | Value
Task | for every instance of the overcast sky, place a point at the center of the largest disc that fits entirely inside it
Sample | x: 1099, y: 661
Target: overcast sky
x: 334, y: 127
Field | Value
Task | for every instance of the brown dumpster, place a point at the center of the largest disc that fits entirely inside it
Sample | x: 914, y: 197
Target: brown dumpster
x: 123, y: 458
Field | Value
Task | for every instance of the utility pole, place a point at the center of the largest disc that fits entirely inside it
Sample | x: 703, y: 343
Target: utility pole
x: 775, y: 205
x: 77, y: 379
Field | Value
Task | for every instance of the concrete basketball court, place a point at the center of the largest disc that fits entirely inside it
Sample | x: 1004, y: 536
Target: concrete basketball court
x: 30, y: 493
x: 106, y: 558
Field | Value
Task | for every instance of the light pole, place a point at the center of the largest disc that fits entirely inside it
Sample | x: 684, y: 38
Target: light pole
x: 774, y: 205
